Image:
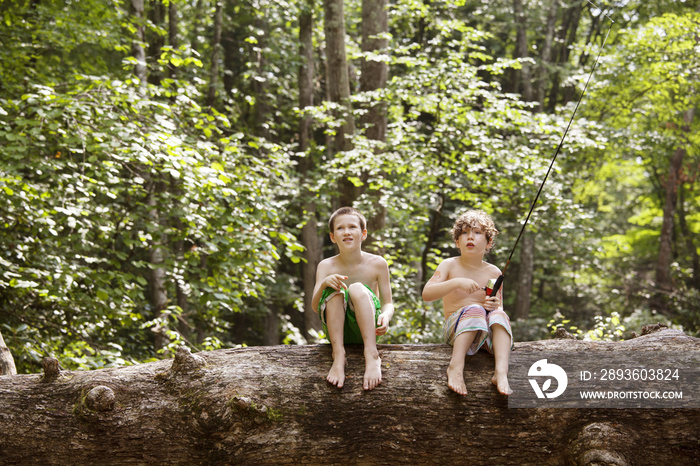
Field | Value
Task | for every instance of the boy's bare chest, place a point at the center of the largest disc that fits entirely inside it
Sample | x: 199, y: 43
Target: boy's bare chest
x: 360, y: 272
x: 479, y: 274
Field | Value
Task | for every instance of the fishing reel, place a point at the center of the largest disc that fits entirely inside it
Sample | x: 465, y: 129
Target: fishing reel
x: 493, y: 286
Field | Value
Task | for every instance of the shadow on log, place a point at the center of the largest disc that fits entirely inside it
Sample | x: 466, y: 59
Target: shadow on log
x: 272, y: 405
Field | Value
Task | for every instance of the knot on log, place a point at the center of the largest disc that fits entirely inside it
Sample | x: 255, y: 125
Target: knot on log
x: 649, y: 329
x: 52, y: 369
x: 249, y: 410
x: 185, y: 361
x: 100, y: 399
x: 601, y: 443
x: 561, y: 333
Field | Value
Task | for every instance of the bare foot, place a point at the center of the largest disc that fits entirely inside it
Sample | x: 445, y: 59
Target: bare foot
x: 455, y: 380
x: 336, y: 375
x: 373, y: 372
x: 500, y: 380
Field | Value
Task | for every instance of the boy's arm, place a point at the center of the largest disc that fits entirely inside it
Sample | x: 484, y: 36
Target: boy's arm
x: 438, y: 286
x: 323, y: 281
x: 385, y: 298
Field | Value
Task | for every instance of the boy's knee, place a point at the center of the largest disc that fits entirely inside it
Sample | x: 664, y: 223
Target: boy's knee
x: 360, y: 298
x: 357, y: 291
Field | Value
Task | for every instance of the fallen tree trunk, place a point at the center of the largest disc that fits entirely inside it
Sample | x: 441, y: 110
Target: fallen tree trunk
x: 272, y: 405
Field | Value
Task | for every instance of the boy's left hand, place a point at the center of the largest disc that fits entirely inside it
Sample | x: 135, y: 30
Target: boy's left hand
x: 382, y: 324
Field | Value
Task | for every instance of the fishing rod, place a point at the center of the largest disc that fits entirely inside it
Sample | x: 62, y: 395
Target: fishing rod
x: 493, y: 287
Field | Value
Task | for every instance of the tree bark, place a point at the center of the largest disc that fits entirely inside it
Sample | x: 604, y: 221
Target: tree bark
x: 664, y: 284
x: 272, y: 405
x: 172, y: 35
x: 374, y: 75
x: 157, y: 41
x: 309, y: 232
x: 689, y: 240
x: 338, y: 87
x: 663, y: 264
x: 546, y: 54
x: 158, y: 296
x: 137, y: 46
x: 215, y: 55
x: 525, y: 272
x: 566, y: 36
x: 7, y: 362
x: 523, y: 77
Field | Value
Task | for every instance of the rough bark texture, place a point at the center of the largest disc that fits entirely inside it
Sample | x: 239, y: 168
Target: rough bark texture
x: 525, y: 274
x: 216, y: 52
x: 664, y: 283
x: 313, y: 253
x: 524, y: 80
x: 272, y: 405
x: 373, y: 77
x: 137, y: 47
x: 338, y: 90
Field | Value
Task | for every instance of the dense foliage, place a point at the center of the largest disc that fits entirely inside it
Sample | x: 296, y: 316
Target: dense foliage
x: 115, y: 189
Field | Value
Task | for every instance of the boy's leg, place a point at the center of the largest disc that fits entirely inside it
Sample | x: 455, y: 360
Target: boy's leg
x: 335, y: 321
x: 455, y: 371
x: 501, y: 352
x: 365, y: 315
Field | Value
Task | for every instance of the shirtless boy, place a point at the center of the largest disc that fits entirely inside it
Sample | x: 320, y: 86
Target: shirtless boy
x: 471, y: 317
x: 345, y: 296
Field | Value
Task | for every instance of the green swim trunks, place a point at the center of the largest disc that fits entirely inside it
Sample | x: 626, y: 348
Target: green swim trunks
x: 351, y: 332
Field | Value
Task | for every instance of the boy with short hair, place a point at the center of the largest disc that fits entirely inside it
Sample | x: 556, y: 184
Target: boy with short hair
x: 345, y: 296
x: 471, y: 317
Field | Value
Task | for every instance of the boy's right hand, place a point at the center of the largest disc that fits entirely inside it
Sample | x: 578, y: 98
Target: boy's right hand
x: 469, y: 286
x: 335, y: 281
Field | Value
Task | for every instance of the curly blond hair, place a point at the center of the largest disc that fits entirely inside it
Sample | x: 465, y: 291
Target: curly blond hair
x: 472, y: 218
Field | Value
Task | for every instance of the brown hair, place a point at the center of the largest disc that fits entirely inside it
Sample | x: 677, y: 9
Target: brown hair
x: 472, y: 218
x: 347, y: 211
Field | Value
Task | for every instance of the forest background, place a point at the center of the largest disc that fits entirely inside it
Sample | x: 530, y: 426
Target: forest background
x: 168, y: 167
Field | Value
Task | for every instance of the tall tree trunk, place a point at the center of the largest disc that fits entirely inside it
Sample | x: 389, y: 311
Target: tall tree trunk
x: 431, y: 237
x: 546, y: 54
x: 664, y: 283
x: 524, y: 84
x: 173, y: 39
x: 309, y: 232
x: 215, y: 54
x: 565, y: 37
x: 156, y: 283
x: 196, y: 24
x: 374, y: 74
x: 7, y: 362
x: 137, y: 46
x: 260, y: 84
x: 523, y: 77
x: 689, y: 240
x: 338, y: 88
x: 156, y: 278
x: 157, y: 41
x: 525, y: 272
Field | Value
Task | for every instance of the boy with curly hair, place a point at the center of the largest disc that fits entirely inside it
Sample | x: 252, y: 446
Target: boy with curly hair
x: 471, y: 317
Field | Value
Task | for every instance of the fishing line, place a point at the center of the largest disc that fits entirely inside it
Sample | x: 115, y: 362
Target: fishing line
x: 493, y: 289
